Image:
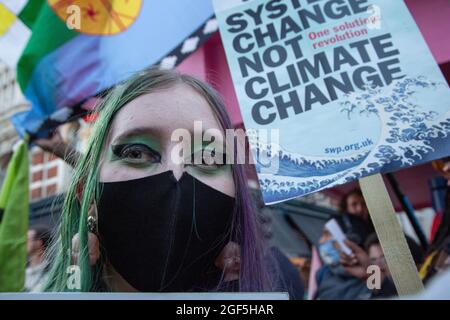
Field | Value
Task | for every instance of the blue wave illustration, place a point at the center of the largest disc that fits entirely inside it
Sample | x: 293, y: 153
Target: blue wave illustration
x: 408, y: 136
x: 292, y: 166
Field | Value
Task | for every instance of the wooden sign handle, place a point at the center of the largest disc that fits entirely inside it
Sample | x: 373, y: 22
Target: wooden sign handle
x: 391, y: 237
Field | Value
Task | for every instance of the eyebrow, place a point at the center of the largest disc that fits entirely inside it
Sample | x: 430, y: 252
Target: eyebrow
x: 137, y: 131
x: 140, y: 131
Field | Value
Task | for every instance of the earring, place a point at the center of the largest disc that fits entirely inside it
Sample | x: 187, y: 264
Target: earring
x: 92, y: 224
x: 92, y: 219
x: 93, y: 242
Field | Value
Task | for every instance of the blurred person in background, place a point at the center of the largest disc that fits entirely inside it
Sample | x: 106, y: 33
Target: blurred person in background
x: 36, y: 272
x: 372, y: 254
x: 353, y: 203
x: 438, y: 255
x: 333, y: 281
x: 354, y: 218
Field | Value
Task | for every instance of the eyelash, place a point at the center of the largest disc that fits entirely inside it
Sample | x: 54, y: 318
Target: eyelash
x: 122, y: 151
x: 205, y: 166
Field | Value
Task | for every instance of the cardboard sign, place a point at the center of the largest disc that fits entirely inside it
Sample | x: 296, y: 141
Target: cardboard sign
x: 333, y: 90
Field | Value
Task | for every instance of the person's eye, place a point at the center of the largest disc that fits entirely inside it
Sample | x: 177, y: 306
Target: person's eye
x: 136, y: 153
x: 208, y: 160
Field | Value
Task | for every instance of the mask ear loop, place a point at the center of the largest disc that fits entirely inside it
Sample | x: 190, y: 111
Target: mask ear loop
x: 193, y: 229
x: 194, y: 218
x: 193, y: 226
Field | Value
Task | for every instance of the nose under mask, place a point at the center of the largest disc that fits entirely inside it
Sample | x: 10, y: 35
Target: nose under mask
x: 163, y: 234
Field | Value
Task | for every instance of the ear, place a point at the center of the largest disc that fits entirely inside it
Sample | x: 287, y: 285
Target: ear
x: 229, y: 261
x: 41, y: 243
x: 80, y: 189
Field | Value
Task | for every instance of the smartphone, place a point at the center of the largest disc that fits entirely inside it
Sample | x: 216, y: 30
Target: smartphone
x: 338, y: 235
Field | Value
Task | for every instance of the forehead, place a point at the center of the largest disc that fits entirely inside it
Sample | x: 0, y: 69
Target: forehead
x: 375, y: 249
x: 354, y: 197
x: 164, y: 111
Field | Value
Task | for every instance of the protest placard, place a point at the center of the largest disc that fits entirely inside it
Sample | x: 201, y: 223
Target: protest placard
x: 333, y: 91
x: 350, y: 86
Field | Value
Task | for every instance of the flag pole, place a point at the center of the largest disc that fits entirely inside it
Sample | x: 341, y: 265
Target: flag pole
x: 390, y: 234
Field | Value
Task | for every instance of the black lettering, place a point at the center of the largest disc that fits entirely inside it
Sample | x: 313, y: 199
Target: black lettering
x: 362, y: 50
x: 276, y: 9
x: 287, y: 26
x: 293, y: 75
x: 313, y: 95
x: 256, y: 15
x: 292, y: 102
x: 255, y: 64
x: 358, y: 6
x: 251, y: 91
x: 336, y: 9
x: 320, y: 63
x: 275, y: 87
x: 237, y: 23
x: 388, y: 72
x: 238, y: 45
x: 274, y: 56
x: 381, y: 48
x: 256, y: 112
x: 260, y: 36
x: 344, y: 86
x: 341, y: 57
x: 316, y: 16
x: 373, y: 79
x: 294, y: 43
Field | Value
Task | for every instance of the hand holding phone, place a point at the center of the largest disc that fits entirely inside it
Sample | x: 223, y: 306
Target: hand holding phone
x: 338, y: 235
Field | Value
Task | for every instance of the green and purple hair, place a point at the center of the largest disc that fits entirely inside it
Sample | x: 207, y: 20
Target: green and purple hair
x: 84, y: 191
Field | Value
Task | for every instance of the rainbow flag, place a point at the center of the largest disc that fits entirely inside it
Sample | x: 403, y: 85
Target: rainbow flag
x: 77, y: 49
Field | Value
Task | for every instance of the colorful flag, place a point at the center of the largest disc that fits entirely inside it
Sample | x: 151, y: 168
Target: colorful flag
x: 14, y: 209
x: 16, y: 19
x: 80, y: 48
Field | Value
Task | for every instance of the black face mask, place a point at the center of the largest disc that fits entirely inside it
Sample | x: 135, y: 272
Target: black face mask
x: 161, y: 234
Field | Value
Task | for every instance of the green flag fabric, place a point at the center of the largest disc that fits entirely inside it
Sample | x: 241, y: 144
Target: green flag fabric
x: 14, y: 210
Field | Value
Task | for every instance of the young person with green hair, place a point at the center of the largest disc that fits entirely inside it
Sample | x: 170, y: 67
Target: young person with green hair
x: 135, y: 220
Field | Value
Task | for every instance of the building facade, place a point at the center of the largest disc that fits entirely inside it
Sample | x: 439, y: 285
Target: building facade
x: 11, y: 101
x: 48, y: 174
